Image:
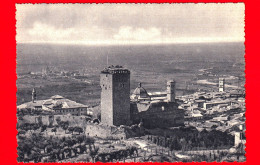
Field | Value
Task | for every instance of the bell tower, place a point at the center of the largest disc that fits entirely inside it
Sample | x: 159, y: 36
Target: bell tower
x: 221, y: 84
x: 171, y: 91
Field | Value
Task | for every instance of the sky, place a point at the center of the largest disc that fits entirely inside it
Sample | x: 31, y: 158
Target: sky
x: 129, y: 23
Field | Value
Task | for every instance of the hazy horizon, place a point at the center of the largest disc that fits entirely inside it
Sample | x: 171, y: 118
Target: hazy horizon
x: 131, y: 44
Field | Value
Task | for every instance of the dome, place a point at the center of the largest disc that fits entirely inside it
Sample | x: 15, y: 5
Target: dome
x: 140, y: 93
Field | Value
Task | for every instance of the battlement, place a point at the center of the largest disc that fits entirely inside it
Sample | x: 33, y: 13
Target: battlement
x: 115, y: 70
x: 170, y: 82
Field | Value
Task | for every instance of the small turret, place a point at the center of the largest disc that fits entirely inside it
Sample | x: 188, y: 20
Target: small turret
x: 33, y: 95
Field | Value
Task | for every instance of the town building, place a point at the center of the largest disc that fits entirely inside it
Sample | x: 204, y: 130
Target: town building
x: 237, y: 94
x: 200, y: 103
x: 56, y: 105
x: 158, y: 95
x: 240, y: 137
x: 63, y: 106
x: 208, y: 105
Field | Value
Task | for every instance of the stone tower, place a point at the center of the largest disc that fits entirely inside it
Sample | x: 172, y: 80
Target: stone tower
x: 33, y: 95
x: 170, y: 91
x: 221, y: 84
x: 115, y: 96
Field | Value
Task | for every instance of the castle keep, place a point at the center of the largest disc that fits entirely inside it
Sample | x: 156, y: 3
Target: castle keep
x: 115, y: 92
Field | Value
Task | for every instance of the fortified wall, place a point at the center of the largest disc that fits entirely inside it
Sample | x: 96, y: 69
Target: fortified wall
x: 52, y: 119
x: 113, y: 132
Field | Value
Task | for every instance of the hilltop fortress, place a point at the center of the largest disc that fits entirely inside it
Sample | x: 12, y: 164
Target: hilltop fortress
x: 140, y: 110
x: 118, y: 109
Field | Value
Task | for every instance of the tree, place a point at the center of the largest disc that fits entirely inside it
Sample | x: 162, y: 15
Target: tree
x: 64, y: 125
x: 75, y: 151
x: 90, y: 141
x: 93, y: 153
x: 83, y: 149
x: 124, y: 154
x: 58, y: 120
x: 154, y: 140
x: 54, y: 130
x: 99, y: 116
x: 69, y: 142
x: 112, y: 156
x: 43, y: 128
x: 20, y: 118
x: 25, y: 148
x: 71, y: 130
x: 23, y: 132
x: 36, y: 156
x: 78, y: 129
x: 214, y: 127
x: 81, y: 138
x: 241, y: 149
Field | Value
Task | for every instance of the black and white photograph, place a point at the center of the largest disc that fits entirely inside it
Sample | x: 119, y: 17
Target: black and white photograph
x: 130, y: 82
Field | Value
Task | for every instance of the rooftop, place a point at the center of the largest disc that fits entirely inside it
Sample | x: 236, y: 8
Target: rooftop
x: 115, y: 69
x: 31, y: 105
x: 140, y: 93
x: 56, y: 101
x: 55, y: 97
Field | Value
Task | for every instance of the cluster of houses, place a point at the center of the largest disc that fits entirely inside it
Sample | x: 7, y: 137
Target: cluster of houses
x: 223, y: 111
x: 201, y: 103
